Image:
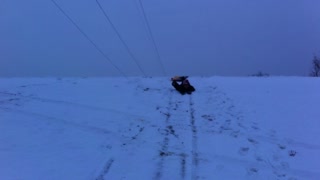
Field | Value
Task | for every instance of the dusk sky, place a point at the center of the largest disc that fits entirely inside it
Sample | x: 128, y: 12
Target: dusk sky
x: 193, y: 37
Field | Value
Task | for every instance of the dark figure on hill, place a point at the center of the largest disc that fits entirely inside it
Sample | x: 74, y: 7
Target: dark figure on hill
x: 184, y: 87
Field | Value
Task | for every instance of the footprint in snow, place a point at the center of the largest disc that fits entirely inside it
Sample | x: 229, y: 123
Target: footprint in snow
x: 243, y: 151
x: 252, y: 170
x: 252, y: 141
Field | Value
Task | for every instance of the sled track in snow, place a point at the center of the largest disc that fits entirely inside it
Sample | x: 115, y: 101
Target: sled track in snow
x: 70, y: 104
x: 50, y: 119
x: 105, y: 169
x: 165, y: 142
x: 183, y: 165
x: 194, y: 152
x: 182, y: 156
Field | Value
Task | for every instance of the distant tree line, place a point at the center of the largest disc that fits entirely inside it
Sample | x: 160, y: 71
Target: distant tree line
x: 315, y: 71
x: 260, y: 74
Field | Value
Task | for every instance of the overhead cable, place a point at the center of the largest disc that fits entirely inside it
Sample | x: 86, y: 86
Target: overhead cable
x: 120, y: 37
x: 87, y: 37
x: 151, y: 35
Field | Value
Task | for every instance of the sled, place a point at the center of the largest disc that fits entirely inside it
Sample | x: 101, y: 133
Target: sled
x: 179, y: 78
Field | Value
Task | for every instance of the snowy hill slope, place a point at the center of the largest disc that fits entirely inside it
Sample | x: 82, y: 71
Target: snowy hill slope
x: 141, y: 128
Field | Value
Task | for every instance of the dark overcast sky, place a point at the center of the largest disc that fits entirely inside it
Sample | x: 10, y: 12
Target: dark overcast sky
x: 194, y: 37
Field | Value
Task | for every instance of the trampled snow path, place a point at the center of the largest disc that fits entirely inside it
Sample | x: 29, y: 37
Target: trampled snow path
x: 139, y: 129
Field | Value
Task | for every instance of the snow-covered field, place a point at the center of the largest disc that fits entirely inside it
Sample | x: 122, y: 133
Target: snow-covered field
x: 141, y: 128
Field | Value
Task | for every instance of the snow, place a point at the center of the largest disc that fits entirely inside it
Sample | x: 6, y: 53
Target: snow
x: 141, y: 128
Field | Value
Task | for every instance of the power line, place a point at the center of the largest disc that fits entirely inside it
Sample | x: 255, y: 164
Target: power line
x: 87, y: 37
x: 119, y: 36
x: 151, y: 35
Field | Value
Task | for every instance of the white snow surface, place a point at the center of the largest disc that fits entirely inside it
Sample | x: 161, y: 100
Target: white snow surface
x: 141, y: 128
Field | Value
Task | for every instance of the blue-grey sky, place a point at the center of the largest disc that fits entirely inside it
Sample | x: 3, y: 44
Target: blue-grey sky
x: 206, y: 37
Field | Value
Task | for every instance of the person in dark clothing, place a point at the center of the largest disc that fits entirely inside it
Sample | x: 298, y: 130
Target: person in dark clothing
x: 184, y: 87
